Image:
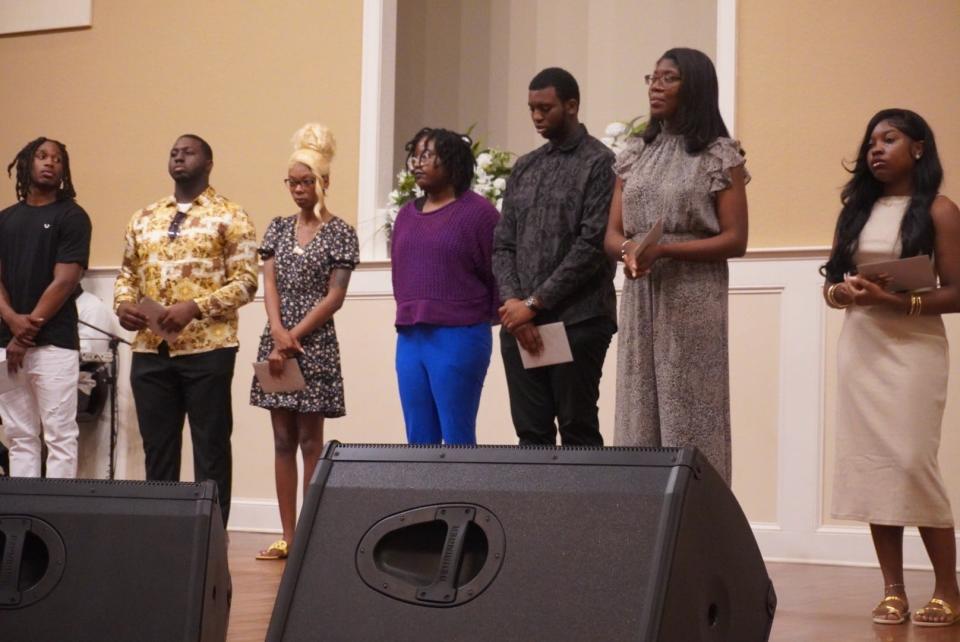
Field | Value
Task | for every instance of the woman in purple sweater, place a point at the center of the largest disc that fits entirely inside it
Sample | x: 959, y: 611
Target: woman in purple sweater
x: 445, y: 292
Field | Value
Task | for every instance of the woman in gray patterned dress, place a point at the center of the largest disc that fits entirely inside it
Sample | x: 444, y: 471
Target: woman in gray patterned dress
x: 672, y: 364
x: 307, y: 261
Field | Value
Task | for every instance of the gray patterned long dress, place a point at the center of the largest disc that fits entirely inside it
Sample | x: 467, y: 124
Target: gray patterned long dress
x: 673, y: 385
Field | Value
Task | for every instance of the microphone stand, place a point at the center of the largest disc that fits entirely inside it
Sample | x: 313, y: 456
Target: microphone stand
x: 114, y: 344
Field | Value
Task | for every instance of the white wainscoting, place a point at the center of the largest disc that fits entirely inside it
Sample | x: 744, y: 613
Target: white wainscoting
x: 781, y: 355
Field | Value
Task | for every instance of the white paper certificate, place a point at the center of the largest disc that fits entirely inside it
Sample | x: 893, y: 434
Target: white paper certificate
x: 652, y: 237
x: 290, y: 380
x: 909, y: 275
x: 152, y: 310
x: 556, y: 347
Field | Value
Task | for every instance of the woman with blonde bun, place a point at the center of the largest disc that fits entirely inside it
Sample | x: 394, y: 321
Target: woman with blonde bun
x: 307, y: 261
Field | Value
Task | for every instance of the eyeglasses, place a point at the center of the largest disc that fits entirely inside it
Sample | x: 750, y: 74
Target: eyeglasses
x: 664, y: 79
x: 425, y: 157
x: 293, y: 183
x: 174, y: 230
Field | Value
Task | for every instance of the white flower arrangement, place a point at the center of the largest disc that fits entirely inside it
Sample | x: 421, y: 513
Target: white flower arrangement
x: 617, y: 133
x: 490, y: 177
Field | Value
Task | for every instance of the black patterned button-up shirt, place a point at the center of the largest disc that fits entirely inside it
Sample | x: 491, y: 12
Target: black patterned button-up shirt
x: 549, y: 242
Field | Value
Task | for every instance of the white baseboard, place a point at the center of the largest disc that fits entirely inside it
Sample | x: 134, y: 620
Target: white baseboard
x: 254, y: 516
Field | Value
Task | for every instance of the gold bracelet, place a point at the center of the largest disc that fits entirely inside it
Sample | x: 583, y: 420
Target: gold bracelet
x: 916, y: 305
x: 832, y: 299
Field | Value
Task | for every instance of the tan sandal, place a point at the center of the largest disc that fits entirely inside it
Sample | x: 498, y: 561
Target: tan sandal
x: 276, y: 551
x: 900, y: 613
x: 936, y: 606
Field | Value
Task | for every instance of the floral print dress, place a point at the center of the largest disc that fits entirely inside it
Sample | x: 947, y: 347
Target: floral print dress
x: 303, y: 275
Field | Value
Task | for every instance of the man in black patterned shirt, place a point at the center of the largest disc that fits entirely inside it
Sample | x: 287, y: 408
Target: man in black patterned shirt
x: 550, y: 266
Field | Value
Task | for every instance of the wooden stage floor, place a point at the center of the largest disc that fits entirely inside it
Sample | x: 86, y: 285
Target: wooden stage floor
x: 816, y: 603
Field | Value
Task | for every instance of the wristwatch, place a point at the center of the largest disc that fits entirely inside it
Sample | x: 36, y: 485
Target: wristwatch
x: 532, y: 303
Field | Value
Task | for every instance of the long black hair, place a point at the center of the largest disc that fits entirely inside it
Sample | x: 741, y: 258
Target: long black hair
x: 863, y: 190
x: 454, y: 152
x: 698, y: 116
x: 23, y: 161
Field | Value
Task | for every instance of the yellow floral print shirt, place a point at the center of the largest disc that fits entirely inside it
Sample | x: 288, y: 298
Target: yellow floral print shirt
x: 212, y: 261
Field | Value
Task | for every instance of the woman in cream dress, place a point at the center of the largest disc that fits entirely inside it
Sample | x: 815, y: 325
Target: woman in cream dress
x: 892, y: 358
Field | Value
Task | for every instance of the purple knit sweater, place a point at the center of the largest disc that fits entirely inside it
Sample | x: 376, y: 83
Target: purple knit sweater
x: 441, y: 263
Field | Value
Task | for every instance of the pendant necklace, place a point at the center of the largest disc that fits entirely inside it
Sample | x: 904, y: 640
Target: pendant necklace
x: 299, y: 251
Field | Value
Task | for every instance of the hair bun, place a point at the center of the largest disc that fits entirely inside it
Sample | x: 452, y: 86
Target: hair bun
x: 315, y: 137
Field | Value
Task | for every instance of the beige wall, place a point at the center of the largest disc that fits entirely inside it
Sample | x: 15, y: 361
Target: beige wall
x: 244, y: 75
x: 460, y: 63
x: 810, y: 74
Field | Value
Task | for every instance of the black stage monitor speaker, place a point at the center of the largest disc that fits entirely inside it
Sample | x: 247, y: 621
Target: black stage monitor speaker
x: 515, y: 543
x: 106, y: 560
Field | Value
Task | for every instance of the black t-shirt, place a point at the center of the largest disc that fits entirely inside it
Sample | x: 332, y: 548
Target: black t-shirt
x: 33, y: 240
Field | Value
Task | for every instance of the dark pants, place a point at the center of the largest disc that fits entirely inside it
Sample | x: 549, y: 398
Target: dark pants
x: 165, y: 390
x: 567, y: 392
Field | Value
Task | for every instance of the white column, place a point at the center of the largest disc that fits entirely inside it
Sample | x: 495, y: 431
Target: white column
x: 376, y: 124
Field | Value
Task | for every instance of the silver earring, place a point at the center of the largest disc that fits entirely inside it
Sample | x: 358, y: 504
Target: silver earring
x: 917, y: 157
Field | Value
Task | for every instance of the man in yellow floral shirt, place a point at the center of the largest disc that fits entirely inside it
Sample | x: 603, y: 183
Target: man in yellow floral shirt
x: 193, y: 253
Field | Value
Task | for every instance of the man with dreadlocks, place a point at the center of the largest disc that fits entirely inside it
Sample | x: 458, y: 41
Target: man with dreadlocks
x: 44, y: 248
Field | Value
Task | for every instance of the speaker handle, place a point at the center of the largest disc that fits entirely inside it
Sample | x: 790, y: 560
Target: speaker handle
x: 16, y: 529
x: 444, y: 589
x: 15, y: 534
x: 447, y: 587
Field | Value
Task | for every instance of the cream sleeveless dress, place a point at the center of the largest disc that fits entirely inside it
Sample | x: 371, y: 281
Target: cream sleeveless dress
x: 892, y: 388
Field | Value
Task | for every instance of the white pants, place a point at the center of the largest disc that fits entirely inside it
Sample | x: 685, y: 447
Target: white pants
x: 48, y: 398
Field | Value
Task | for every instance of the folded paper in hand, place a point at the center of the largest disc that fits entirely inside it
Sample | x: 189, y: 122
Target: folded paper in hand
x: 652, y: 237
x: 153, y: 310
x: 907, y: 275
x: 556, y: 347
x: 290, y: 380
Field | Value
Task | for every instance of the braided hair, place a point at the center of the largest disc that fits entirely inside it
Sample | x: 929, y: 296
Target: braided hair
x: 23, y: 163
x: 454, y: 152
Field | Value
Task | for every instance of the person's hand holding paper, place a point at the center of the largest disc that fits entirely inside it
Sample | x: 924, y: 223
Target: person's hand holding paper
x: 289, y: 379
x: 177, y: 316
x: 528, y: 338
x: 638, y: 260
x: 154, y: 313
x: 554, y: 347
x: 901, y: 275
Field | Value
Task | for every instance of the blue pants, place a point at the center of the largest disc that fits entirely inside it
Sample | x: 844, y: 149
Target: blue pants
x: 440, y: 372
